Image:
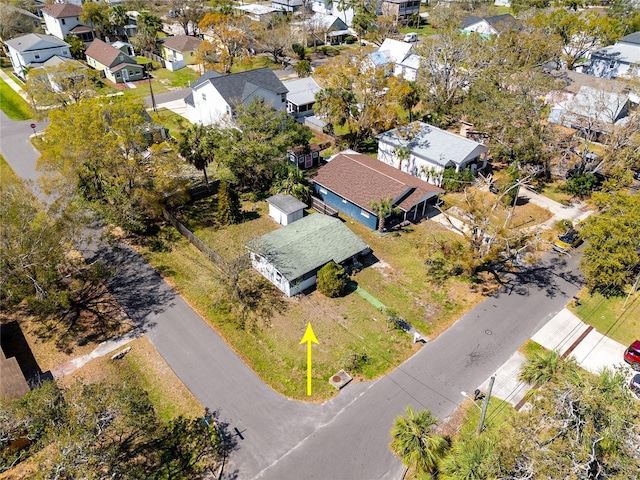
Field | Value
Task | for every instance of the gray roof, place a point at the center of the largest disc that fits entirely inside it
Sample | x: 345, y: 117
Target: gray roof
x: 286, y: 203
x: 241, y: 85
x: 35, y: 41
x: 433, y: 144
x: 302, y: 91
x: 597, y: 104
x: 631, y: 38
x: 307, y: 244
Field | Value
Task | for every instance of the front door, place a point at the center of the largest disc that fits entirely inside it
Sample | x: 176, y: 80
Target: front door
x: 125, y: 75
x: 308, y: 161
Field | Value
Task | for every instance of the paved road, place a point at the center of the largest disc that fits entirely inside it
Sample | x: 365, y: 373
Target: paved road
x: 348, y: 436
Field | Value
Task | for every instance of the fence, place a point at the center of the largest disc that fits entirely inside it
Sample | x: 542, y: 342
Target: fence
x: 213, y: 256
x: 152, y: 56
x: 319, y: 206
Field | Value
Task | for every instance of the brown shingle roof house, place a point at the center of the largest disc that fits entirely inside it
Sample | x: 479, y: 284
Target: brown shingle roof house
x: 351, y: 181
x: 63, y: 10
x: 116, y: 65
x: 182, y: 43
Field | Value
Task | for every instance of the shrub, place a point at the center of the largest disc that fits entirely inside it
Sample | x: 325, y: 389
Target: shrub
x: 582, y: 185
x: 229, y: 210
x: 349, y: 39
x: 453, y: 181
x: 298, y: 50
x: 332, y: 280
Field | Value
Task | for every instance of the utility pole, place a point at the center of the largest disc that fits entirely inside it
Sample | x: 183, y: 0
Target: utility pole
x: 485, y: 405
x: 153, y: 99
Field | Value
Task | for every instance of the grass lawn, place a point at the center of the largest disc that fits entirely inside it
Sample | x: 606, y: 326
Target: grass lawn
x: 171, y: 120
x: 13, y: 104
x: 554, y: 192
x: 7, y: 175
x: 608, y: 316
x: 346, y: 327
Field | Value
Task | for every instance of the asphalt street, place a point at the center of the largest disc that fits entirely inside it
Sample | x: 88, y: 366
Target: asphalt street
x: 346, y: 437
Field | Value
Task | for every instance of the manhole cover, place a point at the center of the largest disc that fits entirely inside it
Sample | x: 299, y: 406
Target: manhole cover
x: 340, y: 379
x: 488, y: 332
x: 336, y: 378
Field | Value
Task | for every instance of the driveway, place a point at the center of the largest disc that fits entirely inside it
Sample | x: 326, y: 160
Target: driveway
x: 346, y: 437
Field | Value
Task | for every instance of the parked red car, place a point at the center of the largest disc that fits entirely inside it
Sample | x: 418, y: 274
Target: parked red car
x: 632, y: 354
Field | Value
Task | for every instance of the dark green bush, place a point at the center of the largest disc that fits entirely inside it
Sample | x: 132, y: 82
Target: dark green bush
x: 332, y: 280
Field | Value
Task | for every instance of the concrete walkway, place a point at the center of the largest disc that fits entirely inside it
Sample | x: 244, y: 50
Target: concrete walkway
x: 571, y: 337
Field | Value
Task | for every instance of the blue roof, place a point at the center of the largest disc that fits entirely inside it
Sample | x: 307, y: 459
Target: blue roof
x: 378, y: 58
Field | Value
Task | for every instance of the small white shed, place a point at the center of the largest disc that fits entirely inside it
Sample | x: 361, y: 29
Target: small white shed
x: 285, y: 209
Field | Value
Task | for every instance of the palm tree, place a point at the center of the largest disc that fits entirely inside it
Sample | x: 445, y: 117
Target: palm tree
x: 197, y: 147
x: 545, y: 366
x: 415, y: 442
x: 292, y: 181
x: 470, y: 460
x: 383, y: 209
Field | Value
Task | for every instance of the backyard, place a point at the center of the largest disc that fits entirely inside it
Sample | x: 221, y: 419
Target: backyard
x: 353, y: 333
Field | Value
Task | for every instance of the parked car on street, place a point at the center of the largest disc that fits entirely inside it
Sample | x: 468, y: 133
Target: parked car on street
x: 410, y: 37
x: 567, y: 240
x: 632, y: 355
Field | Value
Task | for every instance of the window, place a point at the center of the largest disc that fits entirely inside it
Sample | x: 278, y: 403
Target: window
x: 364, y: 214
x: 204, y: 97
x: 63, y: 22
x: 283, y: 97
x: 612, y: 64
x: 118, y: 75
x: 37, y: 55
x: 344, y: 200
x: 322, y: 190
x: 191, y: 54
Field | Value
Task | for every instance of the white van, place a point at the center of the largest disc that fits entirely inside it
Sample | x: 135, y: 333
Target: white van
x: 411, y: 37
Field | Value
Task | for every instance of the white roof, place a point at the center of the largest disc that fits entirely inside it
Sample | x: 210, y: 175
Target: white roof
x: 35, y: 41
x: 412, y: 61
x: 433, y: 144
x: 624, y: 52
x: 597, y: 104
x: 395, y: 50
x: 302, y: 91
x: 258, y: 9
x: 324, y: 20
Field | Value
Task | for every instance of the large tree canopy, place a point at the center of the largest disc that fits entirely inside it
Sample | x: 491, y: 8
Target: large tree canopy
x: 613, y: 242
x: 113, y: 163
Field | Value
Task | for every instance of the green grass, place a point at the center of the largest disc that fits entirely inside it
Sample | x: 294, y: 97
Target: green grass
x: 171, y: 120
x: 530, y: 348
x: 608, y: 316
x: 499, y: 412
x: 12, y: 104
x: 7, y: 175
x: 554, y: 192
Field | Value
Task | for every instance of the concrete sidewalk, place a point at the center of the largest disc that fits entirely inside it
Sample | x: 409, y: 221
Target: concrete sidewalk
x: 14, y: 85
x: 568, y: 335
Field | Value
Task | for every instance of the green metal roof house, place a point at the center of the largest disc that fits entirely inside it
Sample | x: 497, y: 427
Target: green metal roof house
x: 291, y: 256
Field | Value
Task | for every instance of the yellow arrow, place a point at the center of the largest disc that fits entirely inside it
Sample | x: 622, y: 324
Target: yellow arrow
x: 309, y: 337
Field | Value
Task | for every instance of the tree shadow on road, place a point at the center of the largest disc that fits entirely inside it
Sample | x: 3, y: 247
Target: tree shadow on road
x: 542, y: 276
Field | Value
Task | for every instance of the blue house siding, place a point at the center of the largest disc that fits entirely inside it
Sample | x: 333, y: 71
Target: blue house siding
x: 345, y: 206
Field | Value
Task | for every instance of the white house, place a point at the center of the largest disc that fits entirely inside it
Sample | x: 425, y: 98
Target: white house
x: 287, y: 5
x: 62, y: 19
x: 258, y: 12
x: 301, y: 96
x: 619, y: 60
x: 592, y: 111
x: 330, y: 7
x: 214, y: 97
x: 33, y: 49
x: 291, y: 256
x: 425, y: 151
x: 488, y: 25
x: 398, y: 58
x: 285, y: 209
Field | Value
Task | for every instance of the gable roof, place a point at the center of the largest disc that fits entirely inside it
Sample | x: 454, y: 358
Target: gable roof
x: 62, y: 10
x: 633, y: 38
x: 362, y: 179
x: 104, y: 53
x: 243, y: 84
x: 495, y: 21
x: 301, y: 91
x: 35, y: 41
x: 432, y: 143
x: 327, y: 21
x: 308, y: 244
x: 597, y: 104
x: 395, y: 50
x: 286, y: 203
x: 182, y: 43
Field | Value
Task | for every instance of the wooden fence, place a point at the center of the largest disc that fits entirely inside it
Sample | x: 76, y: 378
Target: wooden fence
x: 319, y: 206
x: 213, y: 256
